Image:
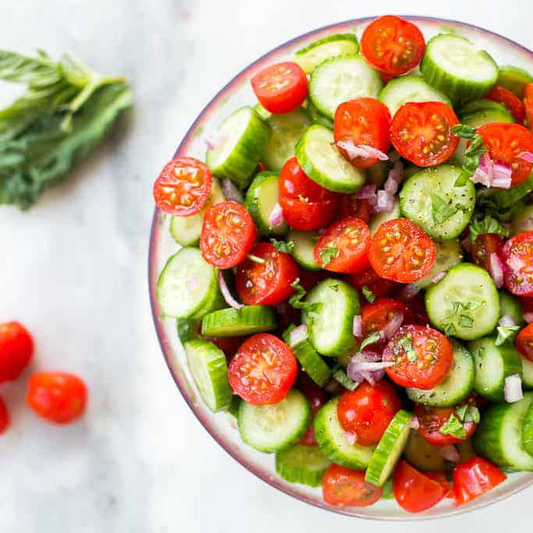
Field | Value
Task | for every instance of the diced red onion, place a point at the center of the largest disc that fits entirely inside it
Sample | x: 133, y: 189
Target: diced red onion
x: 506, y: 321
x: 526, y: 224
x: 385, y: 202
x: 415, y: 423
x: 193, y: 283
x: 367, y: 192
x: 439, y: 276
x: 367, y: 366
x: 357, y: 370
x: 393, y: 325
x: 526, y: 156
x: 362, y: 150
x: 450, y: 453
x: 528, y: 317
x: 496, y: 270
x: 350, y: 437
x: 492, y: 174
x: 357, y: 328
x: 226, y: 292
x: 410, y: 291
x: 276, y: 217
x: 298, y: 335
x: 515, y: 263
x: 231, y: 192
x: 502, y: 176
x: 512, y: 389
x: 215, y: 139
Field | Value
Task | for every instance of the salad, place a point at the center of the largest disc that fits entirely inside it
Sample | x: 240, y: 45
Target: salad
x: 355, y: 275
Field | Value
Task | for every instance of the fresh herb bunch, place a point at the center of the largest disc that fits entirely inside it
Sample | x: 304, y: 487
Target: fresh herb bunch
x: 63, y: 115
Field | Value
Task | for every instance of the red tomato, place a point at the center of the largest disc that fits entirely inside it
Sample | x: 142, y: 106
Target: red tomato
x: 509, y: 100
x: 4, y: 417
x: 183, y: 186
x: 416, y: 307
x: 306, y: 205
x: 422, y: 357
x: 347, y: 488
x: 16, y: 349
x: 57, y: 396
x: 364, y: 121
x: 281, y: 88
x: 374, y: 283
x: 440, y: 478
x: 484, y: 246
x: 263, y: 370
x: 311, y: 278
x: 368, y: 410
x: 351, y: 206
x: 474, y: 478
x: 343, y: 247
x: 228, y: 234
x: 267, y: 282
x: 527, y: 303
x: 518, y: 257
x: 415, y: 492
x: 377, y: 316
x: 401, y: 251
x: 524, y: 341
x: 433, y: 418
x: 229, y: 345
x: 505, y: 143
x: 317, y: 398
x: 527, y: 97
x: 393, y: 45
x: 422, y: 133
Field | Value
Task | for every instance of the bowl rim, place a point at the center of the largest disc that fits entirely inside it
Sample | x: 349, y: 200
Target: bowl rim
x: 152, y: 277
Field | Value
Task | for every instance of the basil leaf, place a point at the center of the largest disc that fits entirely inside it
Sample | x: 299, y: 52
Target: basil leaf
x: 465, y: 321
x: 296, y: 302
x: 473, y: 152
x: 505, y: 333
x: 327, y: 255
x: 368, y: 294
x: 488, y: 224
x: 407, y: 346
x: 453, y: 427
x: 371, y: 339
x: 286, y: 247
x: 441, y: 210
x: 38, y: 72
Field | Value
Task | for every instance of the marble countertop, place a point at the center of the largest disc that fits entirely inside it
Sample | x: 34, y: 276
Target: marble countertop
x: 73, y: 269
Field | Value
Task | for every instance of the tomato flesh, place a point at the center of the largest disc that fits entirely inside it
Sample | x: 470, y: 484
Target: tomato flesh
x: 433, y: 418
x: 422, y: 357
x: 351, y: 206
x: 281, y: 88
x: 372, y: 281
x: 4, y: 417
x: 440, y: 478
x: 317, y: 398
x: 422, y: 132
x: 347, y: 488
x: 263, y: 370
x: 508, y: 99
x: 474, y: 478
x: 484, y: 246
x: 518, y: 258
x: 524, y: 342
x: 376, y: 316
x: 527, y: 97
x: 16, y: 349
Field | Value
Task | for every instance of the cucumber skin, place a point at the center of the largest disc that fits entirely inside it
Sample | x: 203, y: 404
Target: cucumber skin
x: 301, y: 474
x: 514, y: 78
x: 239, y: 319
x: 297, y: 237
x: 351, y: 37
x: 527, y: 431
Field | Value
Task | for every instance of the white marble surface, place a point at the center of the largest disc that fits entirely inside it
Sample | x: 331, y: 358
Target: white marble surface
x: 74, y: 270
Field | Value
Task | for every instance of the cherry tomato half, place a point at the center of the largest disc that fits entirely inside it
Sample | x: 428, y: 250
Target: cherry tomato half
x: 422, y: 357
x: 518, y: 258
x: 474, y: 478
x: 57, y: 396
x: 440, y: 478
x: 484, y: 246
x: 16, y: 349
x: 281, y: 88
x: 351, y: 206
x: 527, y: 97
x: 422, y: 132
x: 4, y: 417
x: 524, y: 342
x: 263, y: 370
x: 505, y: 143
x: 368, y: 410
x: 377, y: 316
x: 347, y: 488
x: 183, y: 186
x: 228, y: 234
x: 400, y: 251
x: 363, y: 121
x: 374, y: 283
x: 317, y: 398
x: 508, y: 99
x: 265, y: 277
x: 433, y: 418
x: 393, y: 45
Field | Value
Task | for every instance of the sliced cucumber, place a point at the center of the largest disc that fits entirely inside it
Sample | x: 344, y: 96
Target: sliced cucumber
x: 422, y: 455
x: 514, y: 78
x: 184, y: 270
x: 244, y: 138
x: 389, y: 449
x: 188, y: 329
x: 405, y: 89
x: 271, y: 428
x: 499, y: 435
x: 318, y: 118
x: 286, y: 131
x: 511, y: 306
x: 465, y: 303
x: 209, y: 370
x: 493, y: 365
x: 457, y: 385
x: 379, y: 218
x: 527, y: 373
x: 522, y: 221
x: 482, y: 104
x: 527, y: 430
x: 340, y: 79
x: 304, y: 244
x: 262, y: 112
x: 317, y: 52
x: 431, y: 200
x: 449, y: 254
x: 262, y: 197
x: 330, y: 326
x: 247, y: 320
x: 302, y: 464
x: 330, y: 437
x: 186, y: 230
x: 322, y: 162
x: 456, y: 67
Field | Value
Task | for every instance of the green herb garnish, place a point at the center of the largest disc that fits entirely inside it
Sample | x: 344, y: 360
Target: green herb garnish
x: 407, y: 346
x: 286, y: 247
x: 468, y: 413
x: 505, y: 333
x: 473, y: 152
x: 327, y: 255
x: 340, y: 375
x: 453, y: 427
x: 368, y: 294
x: 296, y: 302
x: 371, y: 339
x: 487, y: 224
x: 441, y: 210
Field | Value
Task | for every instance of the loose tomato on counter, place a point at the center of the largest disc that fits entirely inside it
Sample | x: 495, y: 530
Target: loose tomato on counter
x: 347, y: 488
x: 4, y: 417
x: 507, y: 98
x: 518, y: 258
x: 484, y: 246
x: 317, y: 398
x: 474, y: 478
x: 16, y: 350
x: 524, y: 342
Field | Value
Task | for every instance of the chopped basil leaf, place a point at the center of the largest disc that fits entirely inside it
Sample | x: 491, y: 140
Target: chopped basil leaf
x: 296, y: 302
x: 283, y: 246
x: 334, y: 287
x: 441, y: 210
x: 449, y: 329
x: 473, y: 152
x: 368, y: 294
x: 466, y: 321
x: 453, y: 427
x: 505, y: 333
x: 407, y: 345
x: 371, y: 339
x: 488, y: 224
x: 327, y: 255
x: 468, y: 413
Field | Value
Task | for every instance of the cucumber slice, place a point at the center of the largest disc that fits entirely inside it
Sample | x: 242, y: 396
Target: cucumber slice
x: 209, y: 370
x: 245, y: 137
x: 234, y: 406
x: 387, y: 490
x: 186, y: 230
x: 457, y: 385
x: 322, y: 162
x: 389, y: 449
x: 183, y: 270
x: 340, y: 79
x: 304, y: 244
x: 317, y: 52
x: 522, y: 221
x: 456, y: 67
x: 330, y: 327
x: 405, y: 89
x: 262, y: 112
x: 527, y: 373
x: 425, y: 197
x: 302, y: 464
x: 317, y: 118
x: 286, y: 131
x: 271, y: 428
x: 422, y: 455
x: 481, y: 104
x: 499, y: 435
x: 261, y: 199
x: 330, y: 437
x: 248, y: 320
x: 514, y: 78
x: 527, y: 430
x: 511, y: 306
x: 449, y: 254
x: 493, y: 365
x: 379, y: 218
x: 188, y: 329
x: 466, y: 291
